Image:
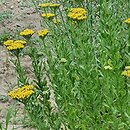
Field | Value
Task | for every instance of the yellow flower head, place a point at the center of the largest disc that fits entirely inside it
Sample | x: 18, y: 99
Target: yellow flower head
x: 126, y: 72
x: 22, y: 93
x: 56, y: 21
x: 54, y: 5
x: 27, y: 32
x: 14, y: 45
x: 44, y: 5
x: 127, y: 68
x: 108, y: 67
x: 48, y: 15
x: 42, y: 33
x: 49, y: 5
x: 127, y: 21
x: 77, y: 14
x: 8, y: 42
x: 20, y: 41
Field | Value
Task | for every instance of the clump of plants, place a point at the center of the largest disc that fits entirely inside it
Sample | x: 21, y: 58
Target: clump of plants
x: 80, y: 65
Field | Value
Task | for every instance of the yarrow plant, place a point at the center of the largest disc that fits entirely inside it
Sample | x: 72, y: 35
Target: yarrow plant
x: 49, y: 5
x: 108, y: 67
x: 48, y: 15
x: 80, y: 78
x: 14, y: 45
x: 42, y: 33
x: 22, y: 92
x: 27, y: 33
x: 20, y: 41
x: 127, y: 21
x: 77, y: 13
x: 57, y: 21
x: 126, y: 72
x: 8, y: 42
x: 26, y: 91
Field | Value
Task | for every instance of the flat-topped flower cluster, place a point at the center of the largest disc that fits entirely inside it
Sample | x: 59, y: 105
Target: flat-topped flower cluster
x: 74, y: 13
x: 14, y: 45
x: 49, y: 5
x: 77, y: 14
x: 22, y: 92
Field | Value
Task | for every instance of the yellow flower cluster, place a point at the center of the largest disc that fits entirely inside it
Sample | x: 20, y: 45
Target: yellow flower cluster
x: 126, y: 72
x: 77, y: 13
x: 27, y: 32
x: 42, y: 33
x: 8, y: 42
x: 127, y: 68
x: 22, y: 93
x: 14, y: 45
x: 56, y: 21
x: 54, y: 5
x: 49, y: 5
x: 108, y: 67
x: 127, y: 21
x: 48, y: 15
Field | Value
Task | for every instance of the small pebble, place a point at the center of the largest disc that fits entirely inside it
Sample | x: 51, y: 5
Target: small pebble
x: 12, y: 7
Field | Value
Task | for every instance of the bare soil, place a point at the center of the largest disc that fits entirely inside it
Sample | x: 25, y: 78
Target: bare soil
x: 23, y: 15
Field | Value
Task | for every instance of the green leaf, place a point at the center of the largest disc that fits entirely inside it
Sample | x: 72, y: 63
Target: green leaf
x: 8, y: 117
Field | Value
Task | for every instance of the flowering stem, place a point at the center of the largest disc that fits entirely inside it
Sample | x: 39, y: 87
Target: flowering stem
x: 129, y: 35
x: 38, y: 67
x: 20, y: 71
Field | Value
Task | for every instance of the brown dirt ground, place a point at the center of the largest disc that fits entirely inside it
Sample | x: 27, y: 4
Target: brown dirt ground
x: 23, y: 16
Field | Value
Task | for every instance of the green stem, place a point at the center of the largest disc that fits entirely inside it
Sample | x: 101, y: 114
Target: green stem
x: 20, y: 71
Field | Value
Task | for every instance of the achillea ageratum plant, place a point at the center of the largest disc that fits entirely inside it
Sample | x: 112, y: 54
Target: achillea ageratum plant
x: 76, y: 86
x: 41, y: 102
x: 127, y: 68
x: 14, y: 45
x: 108, y: 67
x: 77, y: 14
x: 42, y: 33
x: 27, y: 33
x: 44, y: 5
x: 15, y: 48
x: 54, y: 5
x: 49, y: 5
x: 126, y: 72
x: 20, y: 41
x: 8, y: 42
x: 22, y: 92
x: 48, y: 15
x: 127, y: 21
x: 56, y: 21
